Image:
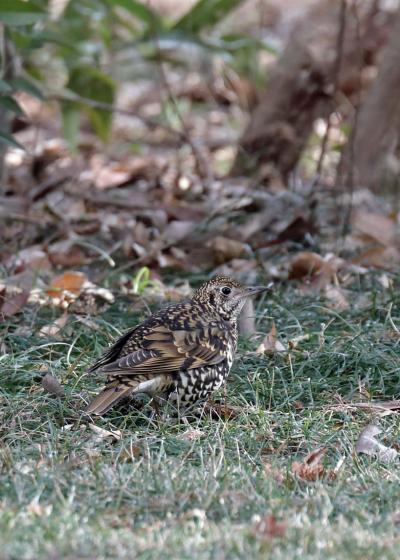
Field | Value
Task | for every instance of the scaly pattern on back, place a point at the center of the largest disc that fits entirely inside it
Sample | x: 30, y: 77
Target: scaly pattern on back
x: 183, y: 352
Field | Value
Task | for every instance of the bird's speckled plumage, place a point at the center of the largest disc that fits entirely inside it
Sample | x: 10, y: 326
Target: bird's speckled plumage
x: 183, y: 352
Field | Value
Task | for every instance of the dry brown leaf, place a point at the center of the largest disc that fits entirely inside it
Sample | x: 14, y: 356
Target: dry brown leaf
x: 226, y: 249
x: 69, y: 281
x: 12, y: 301
x: 100, y: 433
x: 336, y: 297
x: 296, y: 229
x: 387, y: 258
x: 305, y: 264
x: 222, y: 410
x: 269, y: 528
x: 270, y: 343
x: 191, y: 435
x: 177, y: 230
x: 376, y: 227
x: 114, y: 175
x: 52, y: 385
x: 369, y: 445
x: 310, y: 468
x: 65, y: 253
x: 15, y: 292
x: 379, y: 406
x: 319, y: 271
x: 131, y: 453
x: 108, y: 175
x: 52, y: 329
x: 33, y: 257
x: 13, y: 205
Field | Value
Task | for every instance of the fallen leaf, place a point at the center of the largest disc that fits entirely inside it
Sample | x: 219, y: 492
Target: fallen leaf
x: 376, y: 227
x: 33, y: 257
x: 13, y: 205
x: 107, y: 175
x: 387, y: 258
x: 52, y: 329
x: 336, y: 297
x: 52, y: 385
x: 369, y: 445
x: 305, y: 264
x: 100, y: 433
x: 91, y: 301
x: 269, y: 528
x: 222, y: 410
x: 177, y: 230
x: 226, y: 249
x: 383, y: 406
x: 191, y: 435
x: 12, y: 302
x: 270, y: 343
x: 131, y: 453
x: 385, y: 281
x: 67, y: 282
x: 310, y: 468
x: 297, y: 230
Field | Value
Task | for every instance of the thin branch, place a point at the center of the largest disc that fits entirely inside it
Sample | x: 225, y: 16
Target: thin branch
x: 150, y: 123
x: 203, y: 168
x: 336, y: 81
x: 349, y: 178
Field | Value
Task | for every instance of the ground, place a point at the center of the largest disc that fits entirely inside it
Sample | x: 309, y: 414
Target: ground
x: 227, y: 487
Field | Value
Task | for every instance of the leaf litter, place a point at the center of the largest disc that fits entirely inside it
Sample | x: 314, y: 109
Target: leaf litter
x: 71, y: 217
x: 368, y: 444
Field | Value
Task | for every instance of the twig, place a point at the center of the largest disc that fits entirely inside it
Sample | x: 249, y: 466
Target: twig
x: 336, y: 81
x: 349, y: 179
x: 201, y: 163
x: 151, y: 123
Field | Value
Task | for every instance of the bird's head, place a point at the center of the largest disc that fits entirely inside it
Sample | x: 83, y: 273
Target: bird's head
x: 226, y: 296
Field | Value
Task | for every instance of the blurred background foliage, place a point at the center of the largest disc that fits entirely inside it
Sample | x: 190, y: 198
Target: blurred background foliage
x: 77, y: 51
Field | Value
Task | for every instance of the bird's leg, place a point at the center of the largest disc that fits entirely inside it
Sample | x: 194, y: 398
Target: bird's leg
x: 225, y: 395
x: 155, y: 405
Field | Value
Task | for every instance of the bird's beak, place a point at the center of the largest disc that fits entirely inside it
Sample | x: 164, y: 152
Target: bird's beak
x: 251, y: 291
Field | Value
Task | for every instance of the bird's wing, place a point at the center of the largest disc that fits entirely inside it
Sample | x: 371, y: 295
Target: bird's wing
x: 114, y: 351
x: 165, y: 351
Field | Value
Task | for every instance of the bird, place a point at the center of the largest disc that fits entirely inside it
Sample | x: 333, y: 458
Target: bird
x: 181, y: 354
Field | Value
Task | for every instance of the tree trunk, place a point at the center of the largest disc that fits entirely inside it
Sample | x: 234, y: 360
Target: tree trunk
x: 377, y: 133
x: 301, y: 86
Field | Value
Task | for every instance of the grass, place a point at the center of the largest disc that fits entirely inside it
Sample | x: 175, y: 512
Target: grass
x: 169, y: 490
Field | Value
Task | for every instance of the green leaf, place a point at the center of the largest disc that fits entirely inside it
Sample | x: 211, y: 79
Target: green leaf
x: 71, y: 115
x: 140, y: 11
x: 18, y: 12
x: 238, y: 42
x: 205, y: 13
x: 22, y: 84
x: 5, y: 87
x: 90, y: 83
x: 141, y: 280
x: 10, y: 104
x: 6, y: 138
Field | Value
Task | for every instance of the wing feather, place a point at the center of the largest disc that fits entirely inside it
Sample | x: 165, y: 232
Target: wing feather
x: 166, y: 351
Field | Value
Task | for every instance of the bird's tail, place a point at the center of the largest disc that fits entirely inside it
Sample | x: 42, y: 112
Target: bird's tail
x: 108, y: 398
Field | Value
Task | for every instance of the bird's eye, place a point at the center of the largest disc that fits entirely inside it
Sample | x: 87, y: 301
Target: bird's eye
x: 226, y: 290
